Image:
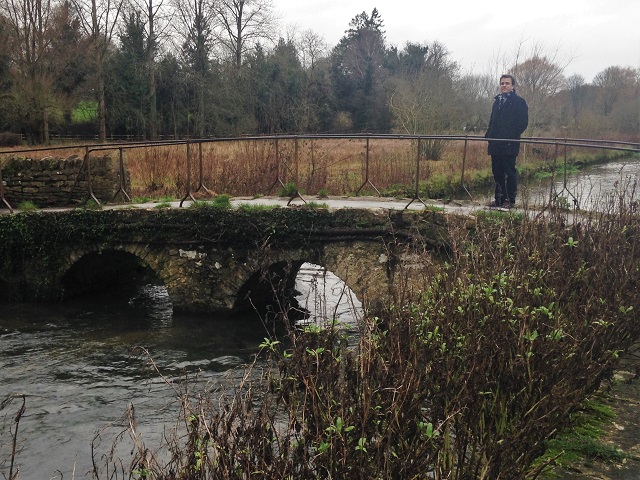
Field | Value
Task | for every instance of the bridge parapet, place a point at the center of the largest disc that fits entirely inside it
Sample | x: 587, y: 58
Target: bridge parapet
x: 211, y: 259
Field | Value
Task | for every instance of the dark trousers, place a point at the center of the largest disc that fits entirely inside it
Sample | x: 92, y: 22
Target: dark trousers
x: 506, y: 178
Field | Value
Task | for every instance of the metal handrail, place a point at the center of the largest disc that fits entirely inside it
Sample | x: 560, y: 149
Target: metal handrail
x: 602, y: 144
x: 578, y: 142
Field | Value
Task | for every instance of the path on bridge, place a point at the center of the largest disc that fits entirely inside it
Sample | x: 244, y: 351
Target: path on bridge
x: 368, y: 203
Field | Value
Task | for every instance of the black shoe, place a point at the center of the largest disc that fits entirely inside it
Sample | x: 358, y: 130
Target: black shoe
x: 494, y: 204
x: 508, y: 205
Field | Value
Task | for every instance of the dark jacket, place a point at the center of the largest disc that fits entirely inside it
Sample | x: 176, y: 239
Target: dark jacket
x: 507, y: 122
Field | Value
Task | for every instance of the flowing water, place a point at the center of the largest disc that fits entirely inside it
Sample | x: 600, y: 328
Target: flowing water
x: 591, y: 189
x: 79, y: 368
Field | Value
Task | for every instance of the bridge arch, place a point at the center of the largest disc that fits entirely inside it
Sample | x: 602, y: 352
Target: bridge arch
x: 108, y: 269
x: 269, y: 290
x: 298, y: 289
x: 363, y: 267
x: 326, y: 297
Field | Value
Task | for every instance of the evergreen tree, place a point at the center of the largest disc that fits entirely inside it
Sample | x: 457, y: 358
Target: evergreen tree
x: 359, y: 73
x: 278, y: 81
x: 127, y: 84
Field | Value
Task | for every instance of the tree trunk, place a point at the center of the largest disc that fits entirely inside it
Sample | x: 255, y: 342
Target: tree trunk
x: 45, y: 126
x: 102, y: 109
x: 153, y: 127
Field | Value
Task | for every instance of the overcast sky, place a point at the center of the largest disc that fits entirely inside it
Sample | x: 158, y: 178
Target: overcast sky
x: 595, y: 34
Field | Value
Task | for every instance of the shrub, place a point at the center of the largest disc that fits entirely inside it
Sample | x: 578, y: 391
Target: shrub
x: 470, y: 379
x: 219, y: 201
x: 433, y: 149
x: 9, y: 139
x: 288, y: 190
x: 323, y: 193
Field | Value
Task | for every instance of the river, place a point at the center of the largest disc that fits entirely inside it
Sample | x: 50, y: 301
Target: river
x: 79, y: 367
x: 591, y: 189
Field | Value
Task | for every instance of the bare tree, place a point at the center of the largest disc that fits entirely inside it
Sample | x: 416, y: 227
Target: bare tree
x: 193, y: 23
x: 474, y: 94
x: 28, y: 22
x: 99, y: 19
x: 539, y: 72
x: 243, y: 22
x: 539, y: 79
x: 577, y: 95
x: 612, y: 81
x: 312, y: 46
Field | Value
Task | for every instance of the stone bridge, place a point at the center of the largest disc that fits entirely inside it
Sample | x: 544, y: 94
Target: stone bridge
x: 213, y: 259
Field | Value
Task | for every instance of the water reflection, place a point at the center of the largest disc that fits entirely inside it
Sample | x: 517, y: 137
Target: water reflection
x: 153, y: 301
x: 327, y: 298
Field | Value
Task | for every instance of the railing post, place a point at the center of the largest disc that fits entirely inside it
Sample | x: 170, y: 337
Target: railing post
x: 464, y: 165
x: 201, y: 170
x: 366, y: 170
x: 417, y: 190
x: 416, y: 193
x: 464, y: 160
x: 122, y: 177
x: 296, y: 173
x: 189, y: 194
x: 89, y: 184
x: 366, y: 160
x: 295, y: 159
x: 553, y: 196
x: 277, y: 148
x: 278, y: 179
x: 564, y: 186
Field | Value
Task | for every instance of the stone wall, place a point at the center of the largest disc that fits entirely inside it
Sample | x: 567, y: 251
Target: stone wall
x: 58, y: 182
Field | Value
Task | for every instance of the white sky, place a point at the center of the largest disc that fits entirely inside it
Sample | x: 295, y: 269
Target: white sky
x: 595, y: 34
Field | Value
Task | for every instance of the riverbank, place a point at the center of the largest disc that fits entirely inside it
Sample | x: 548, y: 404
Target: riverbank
x: 623, y: 432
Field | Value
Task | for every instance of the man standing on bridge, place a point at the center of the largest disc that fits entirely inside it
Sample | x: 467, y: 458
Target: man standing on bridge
x: 509, y: 118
